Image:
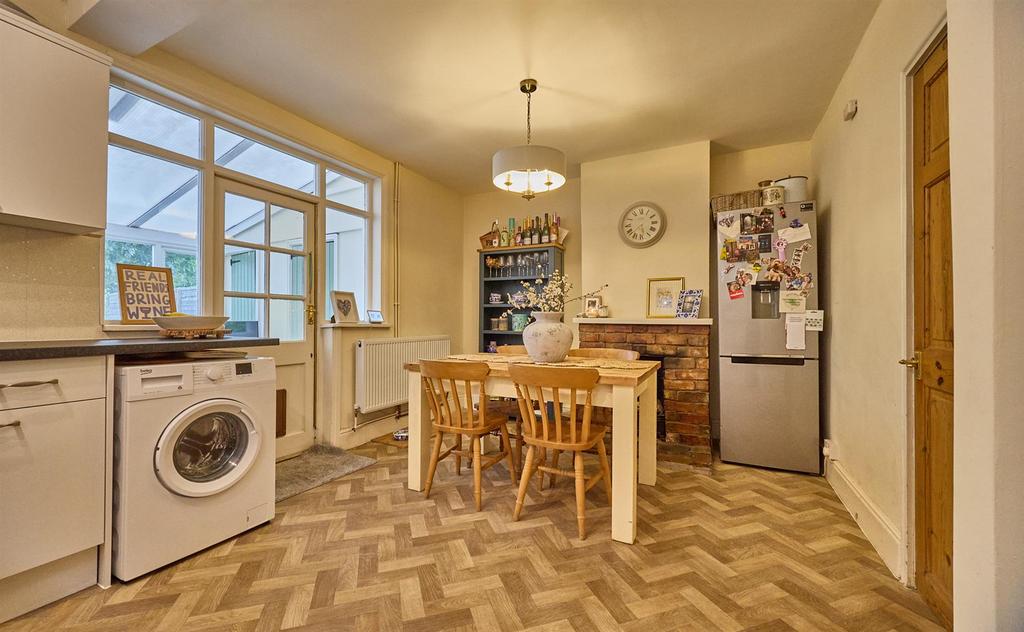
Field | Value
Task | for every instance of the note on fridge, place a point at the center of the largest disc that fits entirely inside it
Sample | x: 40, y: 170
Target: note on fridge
x: 792, y: 302
x: 793, y: 235
x: 815, y: 319
x: 795, y: 337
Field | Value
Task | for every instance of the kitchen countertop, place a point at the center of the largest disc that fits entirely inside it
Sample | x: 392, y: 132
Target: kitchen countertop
x: 42, y: 349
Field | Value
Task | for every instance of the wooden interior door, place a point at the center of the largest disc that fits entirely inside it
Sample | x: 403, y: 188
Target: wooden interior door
x: 933, y: 335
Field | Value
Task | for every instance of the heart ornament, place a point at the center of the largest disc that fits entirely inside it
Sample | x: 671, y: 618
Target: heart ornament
x: 345, y: 306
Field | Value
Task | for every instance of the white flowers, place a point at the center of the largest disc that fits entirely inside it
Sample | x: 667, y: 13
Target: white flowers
x: 546, y: 296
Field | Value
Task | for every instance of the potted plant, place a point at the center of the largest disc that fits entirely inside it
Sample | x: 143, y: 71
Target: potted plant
x: 547, y: 338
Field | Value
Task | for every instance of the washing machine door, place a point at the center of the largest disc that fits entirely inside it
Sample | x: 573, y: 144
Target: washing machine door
x: 207, y: 448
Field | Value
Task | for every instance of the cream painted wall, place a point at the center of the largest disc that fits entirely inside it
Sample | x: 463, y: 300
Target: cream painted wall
x: 678, y: 180
x: 986, y: 68
x: 481, y: 209
x: 742, y: 170
x: 430, y: 239
x: 859, y: 171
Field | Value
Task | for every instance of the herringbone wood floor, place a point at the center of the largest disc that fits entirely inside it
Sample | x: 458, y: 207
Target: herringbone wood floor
x: 742, y: 549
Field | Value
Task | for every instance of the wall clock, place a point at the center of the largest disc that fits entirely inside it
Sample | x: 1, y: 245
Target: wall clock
x: 642, y: 224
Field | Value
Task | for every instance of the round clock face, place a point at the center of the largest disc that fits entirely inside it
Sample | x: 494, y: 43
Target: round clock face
x: 642, y: 225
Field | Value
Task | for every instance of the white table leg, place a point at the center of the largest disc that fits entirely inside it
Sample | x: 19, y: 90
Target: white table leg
x: 624, y: 466
x: 419, y: 433
x: 649, y: 433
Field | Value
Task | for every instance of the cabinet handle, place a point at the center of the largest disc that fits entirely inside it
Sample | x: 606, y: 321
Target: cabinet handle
x: 54, y: 381
x: 13, y: 424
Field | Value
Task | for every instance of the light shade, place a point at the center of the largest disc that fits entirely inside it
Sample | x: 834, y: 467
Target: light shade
x: 528, y: 169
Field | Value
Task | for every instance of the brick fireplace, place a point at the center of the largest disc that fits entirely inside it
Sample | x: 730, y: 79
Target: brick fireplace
x: 683, y: 378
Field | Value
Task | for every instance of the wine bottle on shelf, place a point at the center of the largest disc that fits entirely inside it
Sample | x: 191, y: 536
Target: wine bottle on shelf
x: 504, y: 238
x: 519, y: 236
x: 529, y: 232
x: 495, y: 234
x: 545, y: 231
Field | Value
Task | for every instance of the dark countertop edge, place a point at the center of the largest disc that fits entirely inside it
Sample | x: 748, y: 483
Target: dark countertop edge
x: 44, y: 349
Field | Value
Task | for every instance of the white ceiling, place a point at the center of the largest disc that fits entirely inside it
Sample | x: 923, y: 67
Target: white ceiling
x: 434, y: 83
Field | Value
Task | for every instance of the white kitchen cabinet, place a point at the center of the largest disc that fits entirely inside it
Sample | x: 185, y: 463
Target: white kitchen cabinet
x: 51, y: 483
x: 53, y: 129
x: 55, y: 468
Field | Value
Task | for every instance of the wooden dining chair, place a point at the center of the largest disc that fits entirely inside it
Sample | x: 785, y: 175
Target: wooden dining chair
x: 508, y: 407
x: 451, y: 389
x: 609, y: 353
x: 545, y: 389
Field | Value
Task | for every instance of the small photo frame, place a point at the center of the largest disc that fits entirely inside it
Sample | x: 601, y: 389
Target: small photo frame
x: 591, y: 304
x: 662, y: 296
x: 689, y: 304
x: 345, y: 308
x: 374, y: 316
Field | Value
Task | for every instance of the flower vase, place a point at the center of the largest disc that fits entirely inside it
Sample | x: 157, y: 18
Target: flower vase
x: 547, y: 338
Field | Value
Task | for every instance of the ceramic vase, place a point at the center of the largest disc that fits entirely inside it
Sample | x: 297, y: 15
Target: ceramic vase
x: 547, y: 338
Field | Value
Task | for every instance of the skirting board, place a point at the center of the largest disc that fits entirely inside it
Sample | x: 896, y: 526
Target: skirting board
x: 880, y: 532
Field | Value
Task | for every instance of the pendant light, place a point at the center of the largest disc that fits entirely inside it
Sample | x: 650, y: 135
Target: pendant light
x: 528, y: 169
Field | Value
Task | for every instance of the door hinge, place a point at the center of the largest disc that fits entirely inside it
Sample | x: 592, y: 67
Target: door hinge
x: 914, y: 362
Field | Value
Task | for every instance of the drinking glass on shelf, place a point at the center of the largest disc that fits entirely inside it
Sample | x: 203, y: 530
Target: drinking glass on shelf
x: 544, y: 261
x: 520, y: 265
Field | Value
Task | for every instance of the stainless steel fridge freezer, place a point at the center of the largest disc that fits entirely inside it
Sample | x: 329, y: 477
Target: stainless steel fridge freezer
x: 768, y: 385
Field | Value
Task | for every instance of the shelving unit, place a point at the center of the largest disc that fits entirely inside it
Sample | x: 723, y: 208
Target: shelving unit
x: 508, y: 280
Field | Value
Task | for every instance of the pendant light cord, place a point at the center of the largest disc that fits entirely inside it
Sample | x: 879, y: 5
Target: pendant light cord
x: 528, y: 130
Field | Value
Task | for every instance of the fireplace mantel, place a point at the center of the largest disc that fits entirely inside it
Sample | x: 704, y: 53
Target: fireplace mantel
x: 642, y: 321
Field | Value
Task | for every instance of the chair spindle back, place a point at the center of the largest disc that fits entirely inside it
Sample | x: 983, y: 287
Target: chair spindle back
x: 442, y: 381
x: 542, y: 389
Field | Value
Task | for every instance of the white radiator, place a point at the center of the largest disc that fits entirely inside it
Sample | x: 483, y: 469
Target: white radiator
x: 381, y: 382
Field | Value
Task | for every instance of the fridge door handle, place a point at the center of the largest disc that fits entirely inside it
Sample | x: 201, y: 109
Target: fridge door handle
x: 778, y: 360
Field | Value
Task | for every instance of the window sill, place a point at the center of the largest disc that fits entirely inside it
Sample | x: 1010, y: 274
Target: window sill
x: 359, y: 325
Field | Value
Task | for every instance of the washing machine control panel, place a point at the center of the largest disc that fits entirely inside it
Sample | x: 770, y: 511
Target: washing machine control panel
x: 226, y: 372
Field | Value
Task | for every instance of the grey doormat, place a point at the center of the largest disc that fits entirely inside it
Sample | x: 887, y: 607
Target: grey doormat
x: 314, y: 467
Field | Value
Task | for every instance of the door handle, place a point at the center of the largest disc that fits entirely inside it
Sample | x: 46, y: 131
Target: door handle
x: 13, y: 424
x: 914, y: 363
x: 29, y: 383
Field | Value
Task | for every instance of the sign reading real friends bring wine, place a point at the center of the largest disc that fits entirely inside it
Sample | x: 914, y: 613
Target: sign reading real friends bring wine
x: 145, y: 292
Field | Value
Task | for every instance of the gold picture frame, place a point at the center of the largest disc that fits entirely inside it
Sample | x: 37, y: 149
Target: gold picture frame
x: 662, y: 296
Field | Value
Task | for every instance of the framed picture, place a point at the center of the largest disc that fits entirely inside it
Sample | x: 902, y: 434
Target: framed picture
x: 591, y: 304
x: 145, y: 292
x: 689, y: 304
x: 345, y: 308
x: 662, y: 295
x: 374, y: 316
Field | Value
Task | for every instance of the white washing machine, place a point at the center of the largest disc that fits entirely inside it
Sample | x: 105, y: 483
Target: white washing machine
x: 193, y: 459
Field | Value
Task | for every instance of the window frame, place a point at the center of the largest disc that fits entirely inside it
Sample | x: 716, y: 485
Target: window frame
x: 210, y: 118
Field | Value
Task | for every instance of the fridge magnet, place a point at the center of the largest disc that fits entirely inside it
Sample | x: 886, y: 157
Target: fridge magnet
x: 662, y: 294
x: 728, y: 226
x: 796, y: 223
x: 748, y: 248
x: 766, y: 221
x: 689, y: 304
x: 764, y: 243
x: 729, y: 268
x: 731, y: 250
x: 735, y: 290
x: 780, y: 246
x: 795, y: 328
x: 775, y: 271
x: 782, y: 212
x: 793, y: 235
x: 748, y: 224
x: 756, y: 267
x: 814, y: 319
x: 798, y: 256
x: 792, y: 302
x: 744, y: 278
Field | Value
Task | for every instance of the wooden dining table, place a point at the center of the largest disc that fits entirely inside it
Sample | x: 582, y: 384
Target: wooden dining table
x: 625, y: 386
